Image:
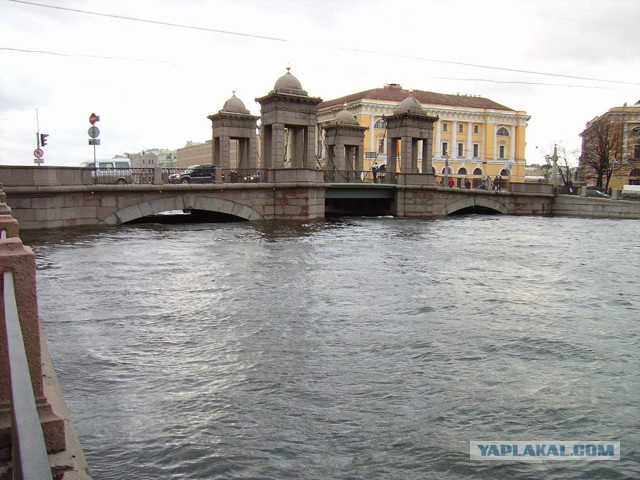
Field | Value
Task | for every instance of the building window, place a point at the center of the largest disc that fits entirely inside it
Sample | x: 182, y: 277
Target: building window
x: 503, y: 132
x: 476, y: 129
x: 462, y: 171
x: 636, y: 152
x: 461, y: 128
x: 477, y: 171
x: 460, y: 149
x: 444, y: 127
x: 501, y: 151
x: 635, y: 131
x: 445, y: 149
x: 447, y: 171
x: 381, y: 145
x: 476, y: 150
x: 382, y: 123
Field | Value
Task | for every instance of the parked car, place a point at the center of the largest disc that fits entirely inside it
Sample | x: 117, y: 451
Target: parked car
x: 592, y: 192
x: 195, y: 174
x: 252, y: 178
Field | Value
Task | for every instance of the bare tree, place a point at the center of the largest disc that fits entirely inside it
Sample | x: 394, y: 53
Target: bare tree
x: 601, y: 146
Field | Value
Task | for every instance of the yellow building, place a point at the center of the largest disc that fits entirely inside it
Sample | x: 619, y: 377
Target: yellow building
x: 611, y: 148
x: 474, y: 136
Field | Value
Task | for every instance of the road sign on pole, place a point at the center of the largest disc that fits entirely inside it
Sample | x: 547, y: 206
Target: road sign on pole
x: 38, y: 153
x: 93, y: 118
x: 94, y: 132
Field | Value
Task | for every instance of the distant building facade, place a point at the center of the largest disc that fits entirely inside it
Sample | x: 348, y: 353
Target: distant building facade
x: 621, y: 147
x: 194, y: 153
x: 474, y: 136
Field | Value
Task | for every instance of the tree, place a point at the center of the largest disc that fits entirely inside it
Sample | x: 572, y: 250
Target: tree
x: 602, y: 144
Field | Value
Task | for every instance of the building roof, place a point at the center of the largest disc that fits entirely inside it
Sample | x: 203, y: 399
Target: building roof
x: 395, y: 93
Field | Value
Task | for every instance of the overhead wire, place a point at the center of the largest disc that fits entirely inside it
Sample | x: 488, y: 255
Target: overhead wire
x: 336, y: 47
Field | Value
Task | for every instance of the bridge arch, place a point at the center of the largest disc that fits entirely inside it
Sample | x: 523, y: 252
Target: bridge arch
x: 180, y: 202
x: 474, y: 201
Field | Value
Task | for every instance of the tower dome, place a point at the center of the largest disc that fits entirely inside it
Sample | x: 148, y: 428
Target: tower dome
x: 344, y: 116
x: 410, y: 104
x: 234, y: 105
x: 287, y: 83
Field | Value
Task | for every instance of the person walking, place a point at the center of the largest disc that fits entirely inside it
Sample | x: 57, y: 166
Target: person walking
x: 374, y: 172
x: 452, y: 182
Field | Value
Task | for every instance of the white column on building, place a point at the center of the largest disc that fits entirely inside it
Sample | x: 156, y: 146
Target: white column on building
x: 469, y: 140
x: 512, y: 154
x: 373, y: 147
x: 495, y: 142
x: 454, y: 140
x: 438, y: 146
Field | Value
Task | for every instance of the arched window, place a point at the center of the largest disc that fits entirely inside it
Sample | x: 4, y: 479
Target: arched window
x: 477, y: 171
x: 433, y: 170
x: 503, y: 132
x: 635, y: 131
x: 634, y: 176
x: 505, y: 172
x: 462, y: 171
x: 382, y: 123
x: 445, y: 172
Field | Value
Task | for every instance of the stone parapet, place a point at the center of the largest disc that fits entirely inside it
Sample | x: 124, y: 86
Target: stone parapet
x: 590, y: 207
x: 26, y: 176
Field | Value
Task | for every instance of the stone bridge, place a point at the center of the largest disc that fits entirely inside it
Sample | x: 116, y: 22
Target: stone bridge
x: 50, y: 197
x: 57, y: 197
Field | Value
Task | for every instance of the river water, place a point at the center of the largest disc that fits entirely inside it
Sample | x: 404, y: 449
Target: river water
x: 369, y: 348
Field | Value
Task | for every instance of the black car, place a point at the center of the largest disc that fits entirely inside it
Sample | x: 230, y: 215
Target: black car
x: 195, y: 174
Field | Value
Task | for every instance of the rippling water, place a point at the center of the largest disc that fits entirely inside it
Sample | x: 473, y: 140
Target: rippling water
x: 354, y: 349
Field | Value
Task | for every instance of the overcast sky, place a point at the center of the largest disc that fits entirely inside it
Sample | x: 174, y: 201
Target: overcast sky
x: 154, y: 69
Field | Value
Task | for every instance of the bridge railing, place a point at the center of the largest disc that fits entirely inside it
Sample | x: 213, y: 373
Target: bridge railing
x: 29, y: 453
x: 472, y: 182
x: 243, y: 175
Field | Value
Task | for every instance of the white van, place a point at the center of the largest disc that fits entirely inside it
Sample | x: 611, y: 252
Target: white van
x: 631, y: 192
x: 115, y: 171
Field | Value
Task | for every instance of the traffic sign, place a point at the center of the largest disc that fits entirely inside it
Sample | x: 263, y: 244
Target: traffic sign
x: 94, y: 132
x: 93, y: 118
x: 39, y: 161
x: 94, y: 141
x: 38, y: 153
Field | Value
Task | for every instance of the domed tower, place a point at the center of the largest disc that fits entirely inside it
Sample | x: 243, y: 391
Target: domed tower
x: 288, y: 125
x: 234, y: 122
x: 410, y: 134
x: 344, y: 140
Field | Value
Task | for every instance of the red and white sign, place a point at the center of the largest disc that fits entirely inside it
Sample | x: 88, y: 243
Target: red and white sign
x: 38, y: 153
x: 93, y: 118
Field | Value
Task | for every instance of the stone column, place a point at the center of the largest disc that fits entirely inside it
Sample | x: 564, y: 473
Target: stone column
x: 277, y: 145
x: 225, y: 151
x: 340, y: 153
x: 392, y: 155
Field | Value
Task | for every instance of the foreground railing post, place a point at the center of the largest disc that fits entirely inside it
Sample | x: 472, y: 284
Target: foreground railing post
x: 20, y: 260
x: 29, y: 453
